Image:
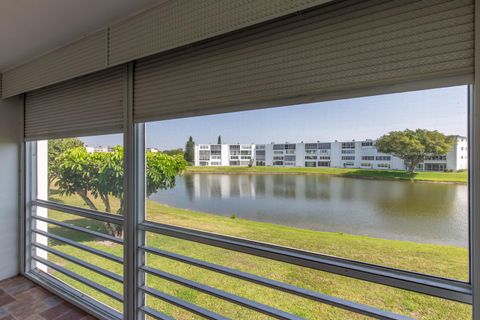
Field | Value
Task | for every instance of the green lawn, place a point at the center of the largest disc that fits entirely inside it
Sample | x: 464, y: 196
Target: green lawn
x: 445, y: 261
x: 457, y: 177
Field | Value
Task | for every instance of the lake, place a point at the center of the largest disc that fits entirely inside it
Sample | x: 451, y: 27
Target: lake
x: 413, y: 211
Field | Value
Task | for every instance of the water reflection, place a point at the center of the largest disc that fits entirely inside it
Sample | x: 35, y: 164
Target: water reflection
x: 421, y: 212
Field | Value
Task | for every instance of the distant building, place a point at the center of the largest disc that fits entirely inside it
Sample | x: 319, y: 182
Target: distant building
x: 99, y: 149
x: 346, y: 154
x: 153, y: 150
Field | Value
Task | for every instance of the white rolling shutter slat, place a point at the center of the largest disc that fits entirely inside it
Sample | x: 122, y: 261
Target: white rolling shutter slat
x: 88, y: 105
x: 343, y: 47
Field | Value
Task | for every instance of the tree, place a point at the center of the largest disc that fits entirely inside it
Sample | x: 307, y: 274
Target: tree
x: 55, y: 148
x: 100, y: 176
x: 173, y: 152
x: 219, y: 140
x: 413, y: 145
x: 190, y: 150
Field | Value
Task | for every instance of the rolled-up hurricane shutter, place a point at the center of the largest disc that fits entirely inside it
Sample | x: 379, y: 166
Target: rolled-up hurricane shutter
x: 327, y: 52
x: 88, y: 105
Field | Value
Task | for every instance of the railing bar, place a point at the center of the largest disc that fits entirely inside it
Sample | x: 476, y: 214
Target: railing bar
x: 256, y: 306
x: 79, y: 278
x: 80, y: 246
x: 87, y: 213
x: 79, y: 229
x: 207, y: 314
x: 80, y: 262
x: 434, y: 286
x: 312, y: 295
x: 155, y: 314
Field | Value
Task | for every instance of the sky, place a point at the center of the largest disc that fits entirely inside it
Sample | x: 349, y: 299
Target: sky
x: 443, y: 109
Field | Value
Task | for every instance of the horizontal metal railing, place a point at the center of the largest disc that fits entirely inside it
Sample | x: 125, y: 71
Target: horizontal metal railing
x: 80, y: 229
x: 86, y: 213
x: 301, y: 292
x: 155, y: 314
x: 77, y: 245
x: 80, y: 262
x: 204, y: 313
x: 434, y: 286
x: 79, y: 278
x: 256, y: 306
x: 90, y: 214
x: 73, y: 295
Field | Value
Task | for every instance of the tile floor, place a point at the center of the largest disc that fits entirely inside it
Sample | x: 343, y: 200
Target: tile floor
x: 21, y: 299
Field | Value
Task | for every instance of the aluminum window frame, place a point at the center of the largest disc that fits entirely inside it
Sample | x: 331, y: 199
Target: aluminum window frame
x: 135, y: 228
x: 449, y: 289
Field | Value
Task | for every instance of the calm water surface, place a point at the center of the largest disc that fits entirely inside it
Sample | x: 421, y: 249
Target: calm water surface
x: 420, y: 212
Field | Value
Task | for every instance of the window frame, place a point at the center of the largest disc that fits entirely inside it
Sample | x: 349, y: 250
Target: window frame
x: 135, y: 227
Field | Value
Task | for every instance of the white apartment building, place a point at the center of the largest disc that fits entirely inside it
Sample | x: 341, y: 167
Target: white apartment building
x: 98, y: 149
x: 224, y: 154
x: 346, y: 154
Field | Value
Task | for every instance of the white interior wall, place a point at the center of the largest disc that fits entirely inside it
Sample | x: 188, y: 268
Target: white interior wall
x: 10, y: 122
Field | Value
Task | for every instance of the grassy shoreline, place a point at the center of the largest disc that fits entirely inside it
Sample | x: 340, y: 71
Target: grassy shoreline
x: 436, y: 177
x: 441, y: 260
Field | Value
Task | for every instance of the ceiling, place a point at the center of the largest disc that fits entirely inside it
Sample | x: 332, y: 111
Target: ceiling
x: 29, y: 28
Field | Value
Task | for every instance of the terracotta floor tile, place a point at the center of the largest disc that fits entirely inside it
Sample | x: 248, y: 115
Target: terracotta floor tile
x: 5, y: 298
x: 21, y: 299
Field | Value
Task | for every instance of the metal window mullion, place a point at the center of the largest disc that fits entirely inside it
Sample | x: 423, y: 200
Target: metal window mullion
x: 79, y: 278
x: 305, y: 293
x: 474, y: 172
x: 79, y: 229
x: 81, y: 262
x: 30, y: 192
x: 140, y: 211
x: 80, y: 246
x: 250, y: 304
x: 130, y: 292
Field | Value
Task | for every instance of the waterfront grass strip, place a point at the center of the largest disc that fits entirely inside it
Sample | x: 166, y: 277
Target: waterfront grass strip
x: 452, y: 177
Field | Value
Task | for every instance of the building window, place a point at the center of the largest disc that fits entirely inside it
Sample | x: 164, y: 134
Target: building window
x: 290, y: 146
x: 324, y: 145
x: 324, y: 163
x: 368, y: 158
x: 324, y: 158
x: 311, y: 146
x: 348, y: 151
x: 348, y: 145
x: 310, y: 157
x: 310, y: 164
x: 436, y: 158
x: 435, y: 166
x: 348, y: 157
x: 383, y: 165
x: 278, y: 147
x: 289, y: 158
x: 367, y: 143
x: 383, y: 158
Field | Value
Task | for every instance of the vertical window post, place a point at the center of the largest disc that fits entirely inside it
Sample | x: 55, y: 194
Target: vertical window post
x: 131, y: 196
